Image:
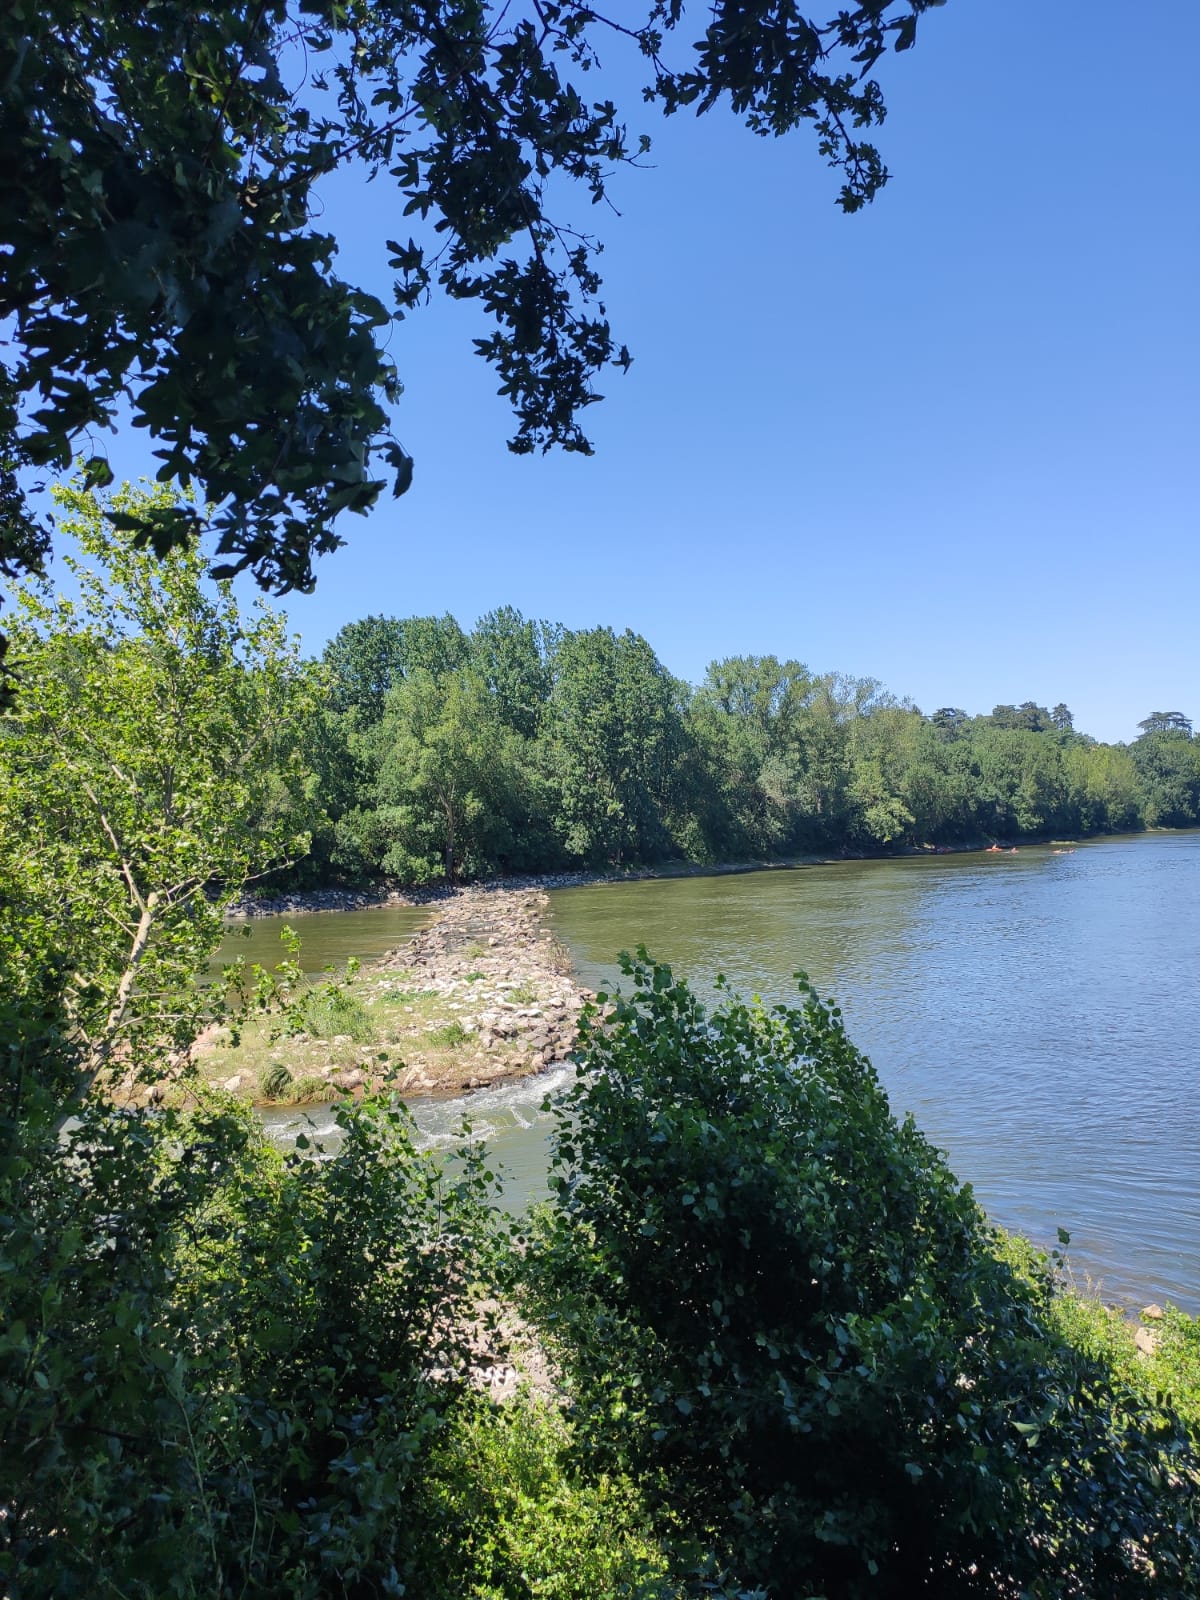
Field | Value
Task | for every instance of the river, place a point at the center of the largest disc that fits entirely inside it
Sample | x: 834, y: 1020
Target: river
x: 1036, y: 1012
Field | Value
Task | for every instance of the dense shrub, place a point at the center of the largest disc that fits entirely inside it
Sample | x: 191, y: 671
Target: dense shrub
x: 1165, y: 1372
x: 507, y: 1514
x: 776, y: 1295
x: 221, y: 1371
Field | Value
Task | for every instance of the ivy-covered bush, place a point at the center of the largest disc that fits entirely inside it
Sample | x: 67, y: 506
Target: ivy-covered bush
x: 774, y: 1297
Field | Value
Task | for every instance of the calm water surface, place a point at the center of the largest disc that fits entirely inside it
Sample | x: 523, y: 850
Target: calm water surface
x: 1036, y: 1012
x: 326, y: 937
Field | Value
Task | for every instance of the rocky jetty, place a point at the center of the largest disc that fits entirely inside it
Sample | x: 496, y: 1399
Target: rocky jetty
x: 501, y: 977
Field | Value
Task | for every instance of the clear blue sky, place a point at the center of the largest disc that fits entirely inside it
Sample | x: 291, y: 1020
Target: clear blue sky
x: 950, y: 442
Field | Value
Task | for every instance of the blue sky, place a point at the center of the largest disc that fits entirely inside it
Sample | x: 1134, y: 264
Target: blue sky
x: 949, y: 442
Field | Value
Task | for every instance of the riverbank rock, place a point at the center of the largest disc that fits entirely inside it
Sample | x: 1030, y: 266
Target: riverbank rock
x: 502, y: 978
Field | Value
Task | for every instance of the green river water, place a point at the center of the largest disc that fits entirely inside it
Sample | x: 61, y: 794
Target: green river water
x: 1036, y: 1012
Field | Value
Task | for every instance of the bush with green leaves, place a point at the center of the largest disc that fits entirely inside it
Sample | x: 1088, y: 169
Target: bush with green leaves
x: 774, y: 1296
x: 1166, y: 1373
x: 221, y: 1370
x: 507, y: 1513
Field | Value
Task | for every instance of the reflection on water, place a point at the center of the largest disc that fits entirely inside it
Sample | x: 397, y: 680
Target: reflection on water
x: 326, y: 937
x: 1036, y: 1012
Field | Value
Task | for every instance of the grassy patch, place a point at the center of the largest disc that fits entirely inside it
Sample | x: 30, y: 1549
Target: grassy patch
x: 342, y: 1023
x: 304, y: 1091
x: 1168, y: 1376
x: 448, y: 1037
x: 404, y: 997
x: 327, y: 1012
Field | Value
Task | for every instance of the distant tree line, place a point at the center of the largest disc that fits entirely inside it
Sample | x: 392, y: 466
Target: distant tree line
x: 525, y: 746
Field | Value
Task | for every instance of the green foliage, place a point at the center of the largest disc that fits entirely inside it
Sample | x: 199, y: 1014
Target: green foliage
x: 326, y: 1011
x: 309, y: 1088
x: 296, y: 1004
x: 158, y: 202
x: 778, y: 1295
x: 365, y: 659
x: 508, y: 1514
x: 220, y: 1371
x: 448, y: 1037
x: 614, y: 734
x: 1166, y: 1377
x: 1167, y: 761
x: 448, y: 779
x: 275, y: 1081
x: 515, y: 659
x: 135, y: 772
x: 800, y: 1357
x: 528, y: 748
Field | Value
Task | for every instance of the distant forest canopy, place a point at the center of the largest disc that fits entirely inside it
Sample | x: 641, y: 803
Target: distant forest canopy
x: 524, y: 746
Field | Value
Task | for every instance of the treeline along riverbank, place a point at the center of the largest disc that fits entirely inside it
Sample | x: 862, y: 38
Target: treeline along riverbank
x: 523, y: 747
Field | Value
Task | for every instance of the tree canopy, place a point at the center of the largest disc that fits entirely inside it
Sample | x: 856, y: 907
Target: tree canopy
x: 158, y: 204
x: 524, y: 746
x: 153, y: 765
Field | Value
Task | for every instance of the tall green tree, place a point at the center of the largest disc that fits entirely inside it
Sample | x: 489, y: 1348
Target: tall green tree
x: 514, y: 657
x: 615, y: 732
x: 367, y: 658
x: 446, y: 777
x: 136, y: 779
x: 883, y: 751
x: 749, y: 711
x: 1167, y: 759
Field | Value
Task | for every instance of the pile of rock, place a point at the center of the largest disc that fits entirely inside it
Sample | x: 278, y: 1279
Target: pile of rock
x: 505, y: 980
